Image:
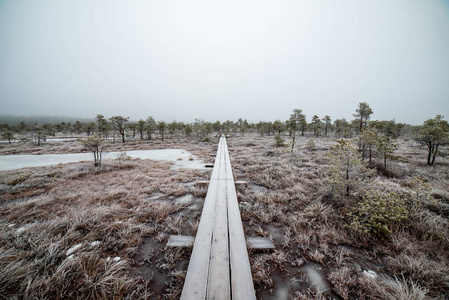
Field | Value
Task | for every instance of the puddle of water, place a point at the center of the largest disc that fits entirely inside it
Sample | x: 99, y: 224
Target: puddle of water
x: 194, y: 207
x: 186, y: 199
x: 192, y: 212
x: 156, y: 196
x: 182, y: 159
x: 293, y: 279
x: 357, y: 259
x: 317, y: 280
x: 193, y: 202
x: 285, y: 284
x: 257, y: 188
x: 147, y: 255
x: 282, y: 293
x: 275, y: 233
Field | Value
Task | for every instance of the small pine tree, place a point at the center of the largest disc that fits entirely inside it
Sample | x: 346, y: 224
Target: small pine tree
x: 385, y: 148
x: 95, y: 145
x: 280, y: 142
x: 347, y: 169
x: 434, y: 133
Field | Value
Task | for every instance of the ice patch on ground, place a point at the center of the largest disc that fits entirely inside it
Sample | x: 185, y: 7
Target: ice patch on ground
x: 182, y: 159
x: 316, y: 278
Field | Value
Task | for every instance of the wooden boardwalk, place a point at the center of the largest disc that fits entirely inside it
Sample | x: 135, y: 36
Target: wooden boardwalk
x: 219, y: 266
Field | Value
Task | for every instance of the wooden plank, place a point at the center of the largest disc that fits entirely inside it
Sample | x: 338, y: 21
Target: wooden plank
x: 195, y: 285
x: 219, y: 285
x: 241, y: 278
x: 219, y: 266
x: 201, y: 183
x: 260, y: 243
x: 241, y: 183
x: 180, y: 241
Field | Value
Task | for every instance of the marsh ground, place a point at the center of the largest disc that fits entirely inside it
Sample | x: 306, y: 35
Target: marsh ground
x: 76, y: 231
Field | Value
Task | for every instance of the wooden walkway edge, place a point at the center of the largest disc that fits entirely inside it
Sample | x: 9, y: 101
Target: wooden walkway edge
x: 219, y: 266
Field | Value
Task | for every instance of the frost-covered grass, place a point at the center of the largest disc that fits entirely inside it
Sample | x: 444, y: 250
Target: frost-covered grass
x: 312, y: 224
x: 73, y: 234
x: 74, y: 231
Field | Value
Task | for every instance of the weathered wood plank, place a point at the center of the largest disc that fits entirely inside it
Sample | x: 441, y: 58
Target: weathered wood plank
x: 260, y: 243
x: 219, y: 285
x: 195, y: 285
x: 201, y: 183
x: 219, y: 266
x: 180, y: 241
x: 241, y: 279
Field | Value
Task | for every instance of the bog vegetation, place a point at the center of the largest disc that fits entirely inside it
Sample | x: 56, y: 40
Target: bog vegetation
x: 356, y: 209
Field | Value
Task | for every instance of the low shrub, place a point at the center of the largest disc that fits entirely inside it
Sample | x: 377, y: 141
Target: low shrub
x: 280, y: 142
x: 378, y: 213
x: 310, y: 145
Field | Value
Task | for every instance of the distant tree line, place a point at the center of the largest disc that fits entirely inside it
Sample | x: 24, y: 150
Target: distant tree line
x: 119, y: 127
x: 372, y: 133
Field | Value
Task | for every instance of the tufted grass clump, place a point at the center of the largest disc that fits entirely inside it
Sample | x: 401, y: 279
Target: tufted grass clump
x: 19, y: 178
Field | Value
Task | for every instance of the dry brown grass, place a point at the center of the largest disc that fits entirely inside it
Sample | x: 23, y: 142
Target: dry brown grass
x: 108, y: 212
x: 313, y: 224
x: 71, y: 231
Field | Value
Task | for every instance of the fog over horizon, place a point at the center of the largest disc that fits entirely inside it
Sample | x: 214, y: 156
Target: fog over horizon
x: 257, y: 60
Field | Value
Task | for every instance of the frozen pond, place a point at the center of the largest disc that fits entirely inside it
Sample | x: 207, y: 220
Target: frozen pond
x: 180, y: 157
x: 15, y: 141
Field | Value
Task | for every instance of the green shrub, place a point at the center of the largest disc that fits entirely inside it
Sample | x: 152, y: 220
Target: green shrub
x: 422, y: 191
x: 378, y: 213
x: 280, y: 142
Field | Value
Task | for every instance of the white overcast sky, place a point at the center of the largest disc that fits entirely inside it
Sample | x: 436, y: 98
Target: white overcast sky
x: 219, y: 60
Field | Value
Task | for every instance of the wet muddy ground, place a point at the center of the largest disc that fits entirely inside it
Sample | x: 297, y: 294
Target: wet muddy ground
x: 158, y: 263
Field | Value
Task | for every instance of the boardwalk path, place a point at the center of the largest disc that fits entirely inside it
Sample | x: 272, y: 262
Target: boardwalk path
x: 219, y: 266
